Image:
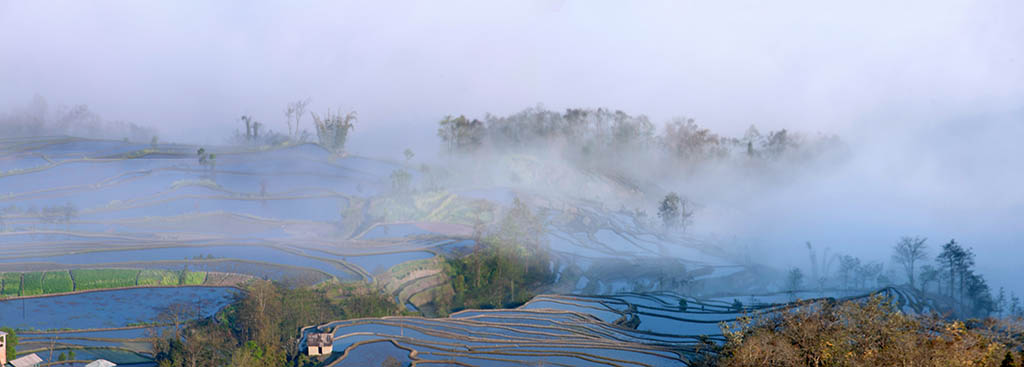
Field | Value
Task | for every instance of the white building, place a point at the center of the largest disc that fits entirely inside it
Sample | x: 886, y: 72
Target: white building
x: 3, y: 348
x: 101, y: 363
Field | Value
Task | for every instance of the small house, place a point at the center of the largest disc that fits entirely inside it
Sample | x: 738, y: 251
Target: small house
x: 31, y: 360
x: 320, y: 344
x: 101, y: 363
x: 3, y: 348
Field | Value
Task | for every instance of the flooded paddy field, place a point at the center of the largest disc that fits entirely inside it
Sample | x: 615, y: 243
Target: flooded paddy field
x: 628, y: 329
x: 301, y: 215
x: 110, y: 324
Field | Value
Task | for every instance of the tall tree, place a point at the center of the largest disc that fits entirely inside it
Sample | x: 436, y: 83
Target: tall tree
x: 907, y: 252
x: 947, y: 260
x: 1001, y: 302
x: 448, y: 132
x: 848, y: 265
x: 964, y: 262
x: 1014, y: 308
x: 794, y: 280
x: 12, y: 342
x: 929, y: 274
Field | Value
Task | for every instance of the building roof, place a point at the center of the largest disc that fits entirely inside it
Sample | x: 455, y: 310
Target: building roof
x: 101, y: 363
x: 2, y: 333
x: 27, y: 361
x: 320, y: 340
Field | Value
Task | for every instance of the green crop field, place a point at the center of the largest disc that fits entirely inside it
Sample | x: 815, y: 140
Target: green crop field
x: 57, y: 282
x: 32, y: 283
x: 159, y: 277
x: 12, y: 284
x: 86, y: 279
x: 193, y: 278
x: 37, y: 283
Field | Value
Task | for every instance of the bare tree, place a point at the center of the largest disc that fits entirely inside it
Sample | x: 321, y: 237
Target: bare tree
x: 907, y: 252
x: 848, y: 265
x: 175, y: 315
x: 294, y: 113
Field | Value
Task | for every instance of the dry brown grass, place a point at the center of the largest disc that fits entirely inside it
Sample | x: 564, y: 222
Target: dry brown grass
x: 871, y: 333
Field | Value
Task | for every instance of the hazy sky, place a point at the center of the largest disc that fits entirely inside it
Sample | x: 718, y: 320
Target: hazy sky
x: 811, y: 65
x: 931, y: 91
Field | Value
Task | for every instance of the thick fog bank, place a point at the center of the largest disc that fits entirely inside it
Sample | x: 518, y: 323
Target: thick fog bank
x: 943, y: 179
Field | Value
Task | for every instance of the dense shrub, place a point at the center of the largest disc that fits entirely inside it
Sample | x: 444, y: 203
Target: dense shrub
x: 506, y: 267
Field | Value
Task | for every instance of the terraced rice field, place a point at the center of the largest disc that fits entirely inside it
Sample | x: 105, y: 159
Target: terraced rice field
x: 88, y: 214
x: 630, y: 329
x: 102, y: 324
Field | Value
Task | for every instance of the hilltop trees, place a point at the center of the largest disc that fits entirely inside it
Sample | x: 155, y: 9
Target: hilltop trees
x: 40, y: 118
x: 461, y: 134
x: 252, y: 127
x: 332, y: 130
x: 907, y: 252
x: 588, y: 134
x: 293, y: 115
x: 955, y: 270
x: 690, y: 142
x: 952, y: 275
x: 956, y: 263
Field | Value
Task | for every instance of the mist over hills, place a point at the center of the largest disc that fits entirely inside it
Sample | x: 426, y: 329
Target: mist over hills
x: 507, y: 183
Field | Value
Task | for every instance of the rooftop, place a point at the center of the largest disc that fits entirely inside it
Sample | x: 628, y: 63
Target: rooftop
x: 27, y: 361
x: 101, y: 363
x: 319, y: 340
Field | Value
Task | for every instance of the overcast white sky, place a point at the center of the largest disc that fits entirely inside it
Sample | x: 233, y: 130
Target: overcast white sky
x: 810, y: 65
x: 933, y: 90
